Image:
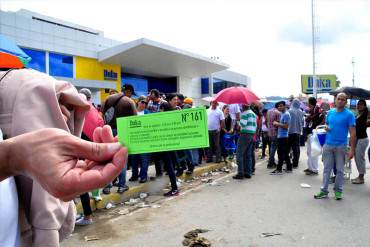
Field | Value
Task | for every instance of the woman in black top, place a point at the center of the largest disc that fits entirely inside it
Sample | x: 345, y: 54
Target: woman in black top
x: 362, y: 122
x: 226, y: 130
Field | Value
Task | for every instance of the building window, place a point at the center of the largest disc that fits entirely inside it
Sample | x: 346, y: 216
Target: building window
x: 60, y: 65
x: 219, y: 85
x: 205, y: 85
x: 38, y: 61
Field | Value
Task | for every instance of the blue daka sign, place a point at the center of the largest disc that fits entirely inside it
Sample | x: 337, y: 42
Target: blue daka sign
x: 110, y: 75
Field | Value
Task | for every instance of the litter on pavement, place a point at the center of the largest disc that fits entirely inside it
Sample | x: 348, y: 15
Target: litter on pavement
x: 143, y: 195
x: 109, y: 205
x: 305, y: 186
x: 269, y: 234
x: 91, y: 238
x: 192, y: 239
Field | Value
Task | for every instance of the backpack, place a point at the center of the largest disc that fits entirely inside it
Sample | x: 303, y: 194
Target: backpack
x: 110, y: 112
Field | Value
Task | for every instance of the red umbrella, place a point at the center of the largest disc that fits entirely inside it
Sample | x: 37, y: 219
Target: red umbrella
x: 236, y: 95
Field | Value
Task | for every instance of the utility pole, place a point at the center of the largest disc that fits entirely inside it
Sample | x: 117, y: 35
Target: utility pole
x: 314, y: 86
x: 353, y: 71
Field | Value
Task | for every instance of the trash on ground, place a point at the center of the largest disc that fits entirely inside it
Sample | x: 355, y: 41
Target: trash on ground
x: 207, y: 180
x: 269, y: 234
x: 142, y: 205
x: 109, y: 205
x: 193, y: 240
x: 91, y: 238
x: 123, y: 211
x: 195, y: 232
x: 305, y: 186
x: 132, y: 201
x: 143, y: 195
x: 156, y: 206
x: 197, y: 242
x: 225, y: 170
x: 214, y: 183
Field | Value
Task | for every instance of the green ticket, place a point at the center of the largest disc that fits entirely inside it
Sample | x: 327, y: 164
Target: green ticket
x: 164, y: 131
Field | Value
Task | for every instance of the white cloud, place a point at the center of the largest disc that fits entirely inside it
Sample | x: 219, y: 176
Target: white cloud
x: 245, y: 34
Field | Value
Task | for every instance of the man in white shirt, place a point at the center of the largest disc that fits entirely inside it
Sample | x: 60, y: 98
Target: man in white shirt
x: 216, y: 121
x: 234, y: 113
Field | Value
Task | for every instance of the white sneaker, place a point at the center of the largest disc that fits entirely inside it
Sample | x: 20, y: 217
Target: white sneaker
x: 83, y: 222
x: 97, y: 198
x: 78, y: 216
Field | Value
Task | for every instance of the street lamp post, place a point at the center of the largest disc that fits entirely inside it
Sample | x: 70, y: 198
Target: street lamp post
x: 353, y: 72
x: 314, y: 86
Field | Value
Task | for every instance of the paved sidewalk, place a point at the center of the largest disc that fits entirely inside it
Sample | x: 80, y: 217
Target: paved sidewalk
x: 240, y: 214
x: 151, y: 187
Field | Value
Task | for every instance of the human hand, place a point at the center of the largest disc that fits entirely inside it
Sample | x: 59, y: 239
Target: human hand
x: 350, y: 154
x: 327, y: 129
x: 52, y: 157
x: 275, y: 123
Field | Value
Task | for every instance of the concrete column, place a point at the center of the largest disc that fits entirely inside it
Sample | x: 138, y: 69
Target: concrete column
x: 210, y: 85
x: 190, y: 87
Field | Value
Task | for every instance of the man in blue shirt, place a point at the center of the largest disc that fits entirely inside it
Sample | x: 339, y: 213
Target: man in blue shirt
x: 282, y: 139
x: 339, y: 121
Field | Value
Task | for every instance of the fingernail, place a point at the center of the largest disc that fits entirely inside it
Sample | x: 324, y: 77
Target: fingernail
x: 114, y: 147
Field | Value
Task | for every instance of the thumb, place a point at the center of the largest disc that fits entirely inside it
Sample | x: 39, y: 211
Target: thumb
x: 96, y: 151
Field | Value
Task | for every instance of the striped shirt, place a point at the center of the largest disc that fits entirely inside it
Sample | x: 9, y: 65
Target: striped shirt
x: 248, y: 122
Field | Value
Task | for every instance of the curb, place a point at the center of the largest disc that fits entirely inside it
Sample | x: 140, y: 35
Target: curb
x: 134, y: 191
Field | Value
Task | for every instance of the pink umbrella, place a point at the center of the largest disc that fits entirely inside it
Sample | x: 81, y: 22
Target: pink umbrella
x: 236, y: 95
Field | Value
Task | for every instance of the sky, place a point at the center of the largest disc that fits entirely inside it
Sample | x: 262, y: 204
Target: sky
x: 267, y: 40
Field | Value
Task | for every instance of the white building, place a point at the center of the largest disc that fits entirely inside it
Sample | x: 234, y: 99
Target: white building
x: 86, y: 58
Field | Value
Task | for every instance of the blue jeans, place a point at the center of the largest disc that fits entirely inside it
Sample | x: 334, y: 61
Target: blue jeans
x: 244, y: 153
x: 143, y: 161
x: 122, y: 175
x: 190, y: 158
x: 272, y: 151
x: 195, y: 153
x: 333, y: 156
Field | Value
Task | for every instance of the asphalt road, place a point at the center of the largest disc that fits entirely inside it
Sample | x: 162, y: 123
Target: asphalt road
x: 238, y: 212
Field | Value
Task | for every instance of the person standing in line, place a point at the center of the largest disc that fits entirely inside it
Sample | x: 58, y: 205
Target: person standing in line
x: 234, y: 110
x: 115, y: 106
x: 362, y: 122
x: 128, y: 90
x: 228, y: 129
x: 273, y: 115
x: 282, y: 140
x: 339, y: 122
x: 244, y: 152
x: 256, y: 136
x: 313, y: 119
x: 216, y: 122
x: 92, y: 121
x: 154, y: 102
x: 264, y: 134
x: 295, y: 130
x: 140, y: 160
x: 167, y: 158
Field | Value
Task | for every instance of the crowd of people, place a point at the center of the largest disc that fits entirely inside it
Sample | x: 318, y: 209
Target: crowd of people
x: 239, y: 130
x: 96, y: 160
